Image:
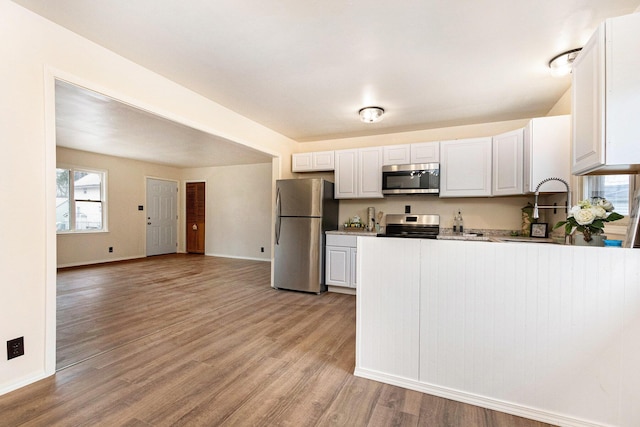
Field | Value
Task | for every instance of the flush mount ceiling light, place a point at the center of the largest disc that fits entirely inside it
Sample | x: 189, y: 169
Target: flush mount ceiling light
x: 561, y: 64
x: 371, y: 114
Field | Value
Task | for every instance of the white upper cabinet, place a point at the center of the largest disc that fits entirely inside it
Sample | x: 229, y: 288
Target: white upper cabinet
x: 370, y: 172
x: 465, y: 167
x: 346, y: 176
x: 358, y: 173
x: 313, y: 162
x: 404, y: 154
x: 396, y: 154
x: 547, y: 144
x: 425, y: 152
x: 508, y: 151
x: 606, y: 105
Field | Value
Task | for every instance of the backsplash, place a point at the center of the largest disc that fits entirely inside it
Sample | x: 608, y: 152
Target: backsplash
x: 486, y: 215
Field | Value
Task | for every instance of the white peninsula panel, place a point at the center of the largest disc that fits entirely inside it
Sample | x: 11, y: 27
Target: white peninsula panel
x: 548, y: 332
x: 387, y: 322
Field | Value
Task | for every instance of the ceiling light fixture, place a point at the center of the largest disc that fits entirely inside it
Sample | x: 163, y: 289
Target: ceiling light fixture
x: 371, y: 114
x: 561, y: 64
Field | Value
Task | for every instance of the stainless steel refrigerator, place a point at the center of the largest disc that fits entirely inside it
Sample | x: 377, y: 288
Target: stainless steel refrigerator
x: 305, y: 209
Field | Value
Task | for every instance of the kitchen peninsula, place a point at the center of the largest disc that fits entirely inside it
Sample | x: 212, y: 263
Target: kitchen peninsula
x: 544, y: 331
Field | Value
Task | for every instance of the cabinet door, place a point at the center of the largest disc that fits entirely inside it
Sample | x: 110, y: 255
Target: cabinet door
x: 338, y: 262
x: 323, y: 161
x: 465, y: 168
x: 301, y: 162
x: 588, y: 105
x: 396, y: 155
x: 425, y: 152
x: 547, y: 147
x: 623, y: 91
x: 370, y: 172
x: 353, y: 252
x: 346, y: 174
x: 507, y: 163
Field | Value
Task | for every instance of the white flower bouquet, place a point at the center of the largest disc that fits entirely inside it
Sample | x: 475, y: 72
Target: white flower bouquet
x: 588, y: 217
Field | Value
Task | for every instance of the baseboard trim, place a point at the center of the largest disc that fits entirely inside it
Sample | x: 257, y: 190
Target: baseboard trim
x: 100, y: 261
x: 238, y: 257
x: 25, y: 382
x: 474, y: 399
x: 341, y: 290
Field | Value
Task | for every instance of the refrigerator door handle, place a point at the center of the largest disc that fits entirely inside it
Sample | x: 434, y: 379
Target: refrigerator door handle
x: 278, y: 211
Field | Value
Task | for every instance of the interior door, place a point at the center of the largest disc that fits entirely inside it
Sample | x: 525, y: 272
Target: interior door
x: 195, y: 217
x: 162, y: 217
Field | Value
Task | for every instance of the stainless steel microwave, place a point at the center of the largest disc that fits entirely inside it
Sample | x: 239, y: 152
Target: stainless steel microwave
x: 411, y: 179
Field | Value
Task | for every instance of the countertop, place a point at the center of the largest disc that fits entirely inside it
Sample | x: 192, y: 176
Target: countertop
x: 353, y: 233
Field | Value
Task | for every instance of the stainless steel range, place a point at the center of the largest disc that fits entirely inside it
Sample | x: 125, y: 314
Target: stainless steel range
x: 412, y: 226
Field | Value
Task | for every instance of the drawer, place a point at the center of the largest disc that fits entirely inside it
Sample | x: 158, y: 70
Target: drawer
x: 341, y: 240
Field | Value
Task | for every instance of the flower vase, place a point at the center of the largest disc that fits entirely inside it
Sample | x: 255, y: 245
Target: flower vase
x: 596, y: 240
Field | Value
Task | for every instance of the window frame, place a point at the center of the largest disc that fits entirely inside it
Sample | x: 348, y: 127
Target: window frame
x: 72, y: 199
x: 621, y: 223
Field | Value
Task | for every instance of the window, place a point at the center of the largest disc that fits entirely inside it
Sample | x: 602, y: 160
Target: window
x: 80, y: 200
x: 614, y: 188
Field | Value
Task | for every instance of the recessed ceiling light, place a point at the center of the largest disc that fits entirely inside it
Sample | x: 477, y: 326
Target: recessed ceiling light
x: 371, y: 114
x: 561, y: 64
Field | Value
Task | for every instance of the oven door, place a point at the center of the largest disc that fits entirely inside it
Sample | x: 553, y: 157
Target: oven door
x: 411, y: 179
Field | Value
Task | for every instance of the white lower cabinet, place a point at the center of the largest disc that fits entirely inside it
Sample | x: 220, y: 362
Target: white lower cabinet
x: 340, y: 252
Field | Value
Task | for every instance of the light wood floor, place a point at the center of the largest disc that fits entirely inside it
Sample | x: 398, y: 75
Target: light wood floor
x: 190, y: 340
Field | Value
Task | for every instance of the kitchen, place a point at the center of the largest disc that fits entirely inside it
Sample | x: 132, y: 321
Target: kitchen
x: 474, y: 321
x: 25, y: 88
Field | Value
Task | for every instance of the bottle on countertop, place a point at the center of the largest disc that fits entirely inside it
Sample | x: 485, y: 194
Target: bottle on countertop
x: 458, y: 224
x: 455, y: 224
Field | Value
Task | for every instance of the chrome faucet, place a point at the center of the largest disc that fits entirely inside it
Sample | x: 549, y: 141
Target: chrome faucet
x: 536, y: 214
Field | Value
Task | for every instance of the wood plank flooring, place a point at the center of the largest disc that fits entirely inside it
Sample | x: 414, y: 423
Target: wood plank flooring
x: 189, y: 340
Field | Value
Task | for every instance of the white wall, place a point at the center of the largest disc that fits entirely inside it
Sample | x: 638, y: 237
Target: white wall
x: 35, y: 51
x: 238, y: 209
x: 126, y: 189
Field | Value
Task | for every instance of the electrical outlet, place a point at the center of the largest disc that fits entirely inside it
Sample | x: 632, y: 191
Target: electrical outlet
x: 15, y: 348
x: 110, y: 248
x: 262, y: 249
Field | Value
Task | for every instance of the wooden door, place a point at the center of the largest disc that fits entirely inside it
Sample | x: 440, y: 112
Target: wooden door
x: 195, y: 217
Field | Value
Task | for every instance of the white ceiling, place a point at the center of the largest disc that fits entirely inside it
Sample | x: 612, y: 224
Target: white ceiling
x: 305, y: 67
x: 89, y: 121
